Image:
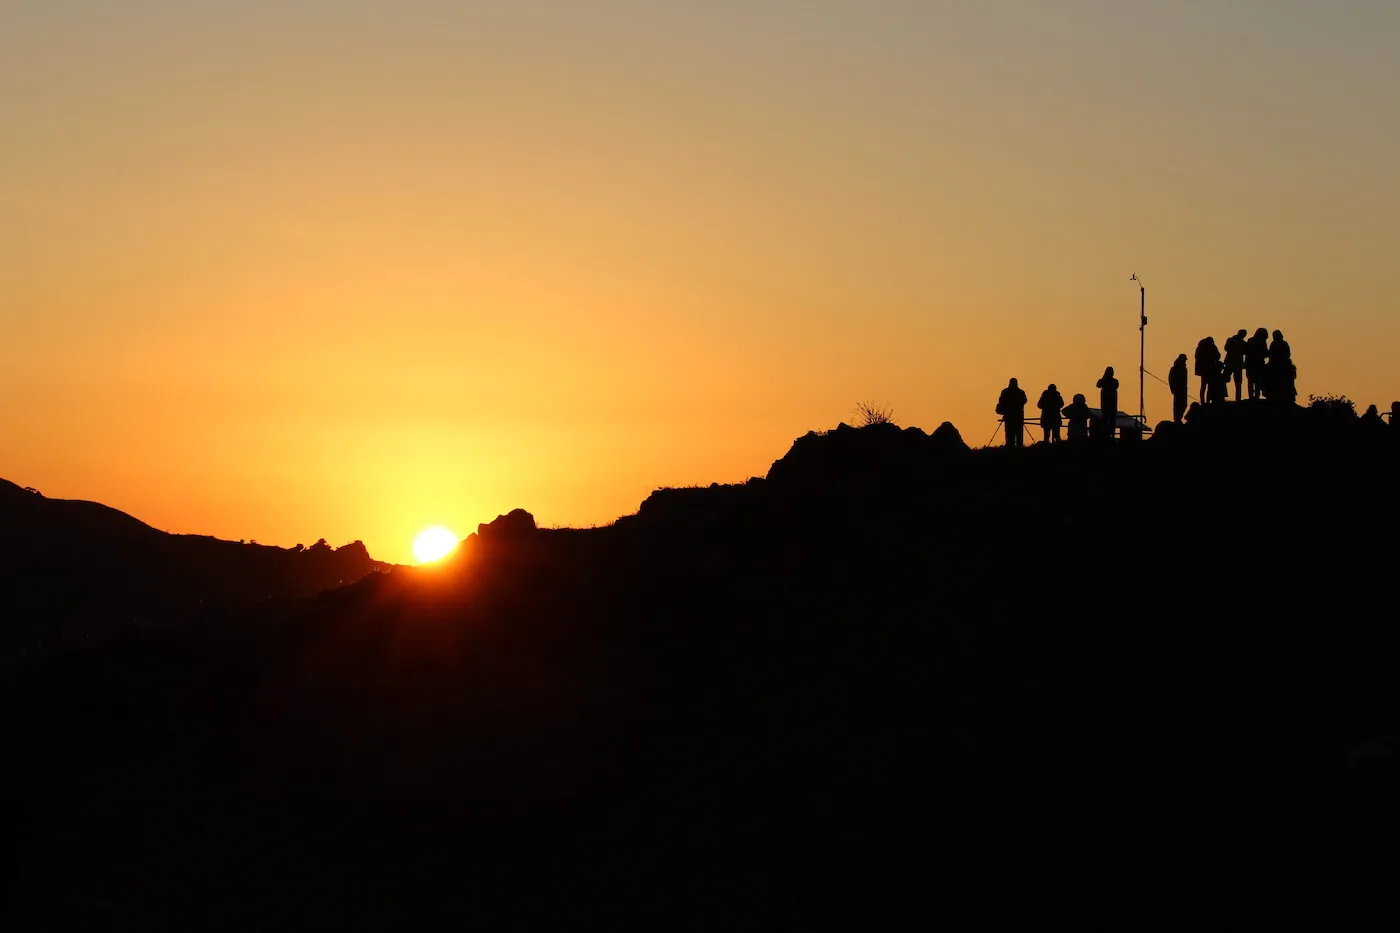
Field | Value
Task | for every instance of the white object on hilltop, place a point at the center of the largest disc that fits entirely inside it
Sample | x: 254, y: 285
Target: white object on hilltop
x: 1122, y: 421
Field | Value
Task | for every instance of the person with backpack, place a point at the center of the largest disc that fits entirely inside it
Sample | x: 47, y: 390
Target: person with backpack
x: 1011, y: 405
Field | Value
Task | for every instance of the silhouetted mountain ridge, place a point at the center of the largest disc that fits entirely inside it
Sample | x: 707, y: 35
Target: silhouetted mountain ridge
x: 72, y: 569
x: 894, y: 682
x: 54, y: 518
x: 904, y: 474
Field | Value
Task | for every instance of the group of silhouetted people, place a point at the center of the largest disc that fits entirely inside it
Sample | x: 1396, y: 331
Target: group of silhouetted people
x: 1076, y: 418
x: 1264, y: 369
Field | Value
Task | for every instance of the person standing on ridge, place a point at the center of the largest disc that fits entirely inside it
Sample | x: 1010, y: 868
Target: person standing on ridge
x: 1077, y: 412
x: 1207, y: 363
x: 1236, y: 349
x: 1012, y: 408
x: 1281, y: 373
x: 1219, y: 394
x: 1176, y: 381
x: 1290, y: 385
x: 1256, y: 360
x: 1108, y: 402
x: 1050, y: 404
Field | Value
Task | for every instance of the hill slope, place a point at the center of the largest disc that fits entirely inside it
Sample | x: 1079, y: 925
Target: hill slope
x: 72, y: 570
x: 989, y: 688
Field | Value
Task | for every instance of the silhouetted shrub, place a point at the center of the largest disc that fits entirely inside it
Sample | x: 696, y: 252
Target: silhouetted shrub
x: 1333, y: 411
x: 868, y: 413
x: 1337, y: 405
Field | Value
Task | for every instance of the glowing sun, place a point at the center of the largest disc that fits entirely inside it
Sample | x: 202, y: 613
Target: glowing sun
x: 433, y: 543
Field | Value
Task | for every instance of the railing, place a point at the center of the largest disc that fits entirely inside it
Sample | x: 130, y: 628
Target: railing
x: 1094, y: 420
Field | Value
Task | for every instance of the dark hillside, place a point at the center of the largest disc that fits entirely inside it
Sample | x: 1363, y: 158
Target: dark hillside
x: 962, y: 689
x: 73, y: 571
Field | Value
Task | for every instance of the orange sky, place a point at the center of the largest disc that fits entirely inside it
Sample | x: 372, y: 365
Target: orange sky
x: 306, y: 270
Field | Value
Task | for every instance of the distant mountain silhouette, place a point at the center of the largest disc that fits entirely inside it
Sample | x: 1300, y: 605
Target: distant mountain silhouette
x: 72, y: 570
x: 894, y: 684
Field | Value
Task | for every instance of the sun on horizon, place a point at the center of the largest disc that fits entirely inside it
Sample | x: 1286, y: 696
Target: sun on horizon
x: 433, y: 544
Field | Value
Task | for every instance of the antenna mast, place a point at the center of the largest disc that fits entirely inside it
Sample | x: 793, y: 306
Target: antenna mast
x: 1142, y: 344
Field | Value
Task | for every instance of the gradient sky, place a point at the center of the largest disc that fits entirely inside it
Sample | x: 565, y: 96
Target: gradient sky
x: 291, y: 270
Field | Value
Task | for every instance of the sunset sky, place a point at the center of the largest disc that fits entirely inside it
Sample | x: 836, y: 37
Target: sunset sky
x: 283, y: 271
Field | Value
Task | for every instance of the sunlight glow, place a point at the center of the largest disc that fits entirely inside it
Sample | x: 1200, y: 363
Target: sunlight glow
x: 433, y: 544
x: 556, y: 255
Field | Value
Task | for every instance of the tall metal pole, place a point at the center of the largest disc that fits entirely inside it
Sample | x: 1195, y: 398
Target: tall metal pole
x: 1142, y: 351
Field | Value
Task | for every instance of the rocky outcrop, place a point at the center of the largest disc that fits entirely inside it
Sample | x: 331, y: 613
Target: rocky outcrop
x: 881, y: 450
x: 513, y: 526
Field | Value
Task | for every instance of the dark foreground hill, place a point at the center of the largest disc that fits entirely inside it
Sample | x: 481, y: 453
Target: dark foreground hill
x: 1131, y: 686
x: 73, y: 571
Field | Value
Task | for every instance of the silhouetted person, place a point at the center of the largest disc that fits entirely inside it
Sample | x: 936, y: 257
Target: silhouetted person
x: 1207, y: 362
x: 1236, y: 350
x: 1176, y: 381
x: 1012, y: 408
x: 1279, y: 385
x: 1077, y: 415
x: 1373, y: 425
x: 1108, y: 401
x: 1219, y: 387
x: 1050, y: 404
x: 1193, y: 414
x: 1290, y: 386
x: 1395, y: 419
x: 1256, y: 359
